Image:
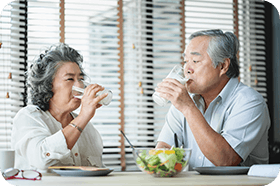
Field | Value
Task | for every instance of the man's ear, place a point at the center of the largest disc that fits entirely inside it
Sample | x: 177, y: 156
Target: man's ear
x: 225, y: 66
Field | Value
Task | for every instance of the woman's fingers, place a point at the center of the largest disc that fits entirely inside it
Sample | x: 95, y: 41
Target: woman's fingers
x: 92, y: 89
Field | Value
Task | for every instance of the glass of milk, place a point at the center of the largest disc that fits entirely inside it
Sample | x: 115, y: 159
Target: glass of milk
x: 176, y: 73
x: 78, y: 92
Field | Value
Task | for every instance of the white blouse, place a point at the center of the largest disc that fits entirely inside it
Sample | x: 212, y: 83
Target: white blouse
x: 38, y: 142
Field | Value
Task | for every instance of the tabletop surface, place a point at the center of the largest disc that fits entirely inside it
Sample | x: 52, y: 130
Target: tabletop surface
x: 140, y: 178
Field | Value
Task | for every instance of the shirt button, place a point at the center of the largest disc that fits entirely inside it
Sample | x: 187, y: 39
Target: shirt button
x: 76, y: 154
x: 199, y: 157
x: 48, y: 154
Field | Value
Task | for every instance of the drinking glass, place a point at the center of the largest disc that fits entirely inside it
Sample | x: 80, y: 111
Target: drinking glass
x: 176, y: 73
x: 78, y: 92
x: 7, y: 158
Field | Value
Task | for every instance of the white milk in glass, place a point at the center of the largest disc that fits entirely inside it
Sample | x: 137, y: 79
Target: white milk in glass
x: 79, y: 92
x: 176, y: 73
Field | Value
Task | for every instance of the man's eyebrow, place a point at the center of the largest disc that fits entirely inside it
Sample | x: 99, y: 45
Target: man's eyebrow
x: 196, y: 53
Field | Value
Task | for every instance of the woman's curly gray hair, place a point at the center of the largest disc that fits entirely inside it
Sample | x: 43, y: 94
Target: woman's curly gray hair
x: 42, y: 72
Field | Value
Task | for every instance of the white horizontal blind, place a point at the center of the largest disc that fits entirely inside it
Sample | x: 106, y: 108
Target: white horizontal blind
x: 43, y: 27
x: 91, y: 28
x: 152, y: 46
x: 148, y: 57
x: 252, y: 44
x: 208, y: 14
x: 218, y: 14
x: 12, y: 67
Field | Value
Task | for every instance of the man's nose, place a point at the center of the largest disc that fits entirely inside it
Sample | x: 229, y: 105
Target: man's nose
x: 188, y: 69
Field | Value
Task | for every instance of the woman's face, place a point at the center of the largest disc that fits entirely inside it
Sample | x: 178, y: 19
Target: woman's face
x: 66, y: 76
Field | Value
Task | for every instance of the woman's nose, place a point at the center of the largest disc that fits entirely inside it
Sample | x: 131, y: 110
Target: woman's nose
x: 78, y: 84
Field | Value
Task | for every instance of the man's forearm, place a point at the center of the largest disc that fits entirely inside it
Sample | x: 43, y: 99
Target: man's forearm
x: 215, y: 148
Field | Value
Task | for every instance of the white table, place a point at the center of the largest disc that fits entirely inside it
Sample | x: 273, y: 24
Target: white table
x: 140, y: 178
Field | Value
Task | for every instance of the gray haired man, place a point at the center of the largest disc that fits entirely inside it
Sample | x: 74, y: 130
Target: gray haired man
x: 223, y: 121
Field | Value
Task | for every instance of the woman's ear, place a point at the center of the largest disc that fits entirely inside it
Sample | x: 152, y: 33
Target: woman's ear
x: 225, y: 66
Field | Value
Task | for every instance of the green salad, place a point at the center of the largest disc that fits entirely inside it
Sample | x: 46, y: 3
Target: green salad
x: 162, y: 162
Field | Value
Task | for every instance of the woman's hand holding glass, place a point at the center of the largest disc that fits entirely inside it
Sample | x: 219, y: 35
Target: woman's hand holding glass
x: 93, y: 96
x: 78, y: 92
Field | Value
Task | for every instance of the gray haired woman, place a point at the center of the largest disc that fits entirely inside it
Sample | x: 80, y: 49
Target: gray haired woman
x: 47, y: 132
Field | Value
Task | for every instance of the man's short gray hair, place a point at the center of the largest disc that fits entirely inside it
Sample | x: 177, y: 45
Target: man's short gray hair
x: 42, y: 72
x: 221, y: 46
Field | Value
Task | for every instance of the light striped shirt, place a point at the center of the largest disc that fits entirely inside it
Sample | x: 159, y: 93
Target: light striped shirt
x: 238, y: 113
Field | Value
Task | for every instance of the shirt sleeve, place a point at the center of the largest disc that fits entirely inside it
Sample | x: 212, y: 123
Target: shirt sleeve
x: 173, y: 124
x: 247, y: 122
x: 33, y: 140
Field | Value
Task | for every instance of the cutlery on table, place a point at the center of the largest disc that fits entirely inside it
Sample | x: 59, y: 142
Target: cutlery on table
x: 176, y: 140
x: 144, y: 161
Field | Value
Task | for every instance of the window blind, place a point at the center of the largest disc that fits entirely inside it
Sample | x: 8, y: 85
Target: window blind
x: 43, y: 27
x: 12, y: 64
x: 128, y: 46
x: 213, y: 14
x: 145, y: 46
x: 252, y: 44
x: 96, y: 23
x: 152, y: 46
x: 208, y: 14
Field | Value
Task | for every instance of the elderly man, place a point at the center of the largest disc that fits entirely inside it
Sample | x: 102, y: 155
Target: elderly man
x: 223, y: 121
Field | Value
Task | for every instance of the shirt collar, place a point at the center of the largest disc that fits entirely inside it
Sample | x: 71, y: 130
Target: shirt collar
x: 223, y: 95
x: 198, y: 100
x: 229, y: 88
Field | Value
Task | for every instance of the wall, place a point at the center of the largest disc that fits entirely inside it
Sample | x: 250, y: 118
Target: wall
x: 272, y: 39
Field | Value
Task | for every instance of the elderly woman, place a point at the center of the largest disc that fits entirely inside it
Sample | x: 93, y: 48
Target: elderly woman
x: 47, y: 132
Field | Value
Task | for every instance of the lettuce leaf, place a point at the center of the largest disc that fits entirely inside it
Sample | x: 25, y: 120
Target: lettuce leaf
x: 153, y: 160
x: 169, y: 160
x: 180, y: 153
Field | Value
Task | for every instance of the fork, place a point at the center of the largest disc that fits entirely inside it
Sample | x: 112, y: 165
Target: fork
x: 144, y: 161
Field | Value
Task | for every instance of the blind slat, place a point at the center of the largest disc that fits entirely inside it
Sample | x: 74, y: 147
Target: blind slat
x: 11, y: 53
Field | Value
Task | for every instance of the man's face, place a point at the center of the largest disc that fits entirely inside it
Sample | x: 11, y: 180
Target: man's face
x: 204, y: 78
